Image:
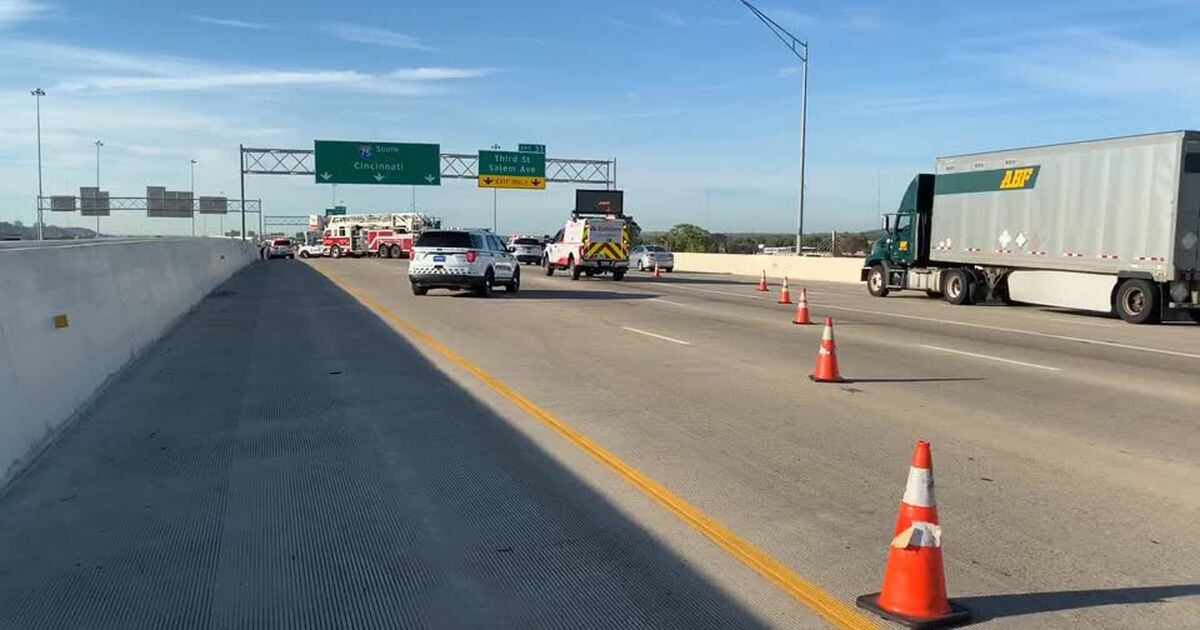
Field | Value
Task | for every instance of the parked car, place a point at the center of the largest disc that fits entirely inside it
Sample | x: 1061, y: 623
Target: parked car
x: 644, y: 257
x: 281, y: 248
x: 527, y: 250
x: 462, y: 259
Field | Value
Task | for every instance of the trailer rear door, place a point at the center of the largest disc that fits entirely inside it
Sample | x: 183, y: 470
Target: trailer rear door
x: 1187, y: 231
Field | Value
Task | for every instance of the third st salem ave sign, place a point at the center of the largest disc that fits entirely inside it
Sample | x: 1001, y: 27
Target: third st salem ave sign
x: 512, y: 169
x: 344, y: 162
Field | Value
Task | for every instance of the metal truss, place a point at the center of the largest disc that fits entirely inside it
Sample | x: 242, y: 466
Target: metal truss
x: 277, y: 161
x: 283, y: 221
x: 454, y: 166
x: 143, y: 204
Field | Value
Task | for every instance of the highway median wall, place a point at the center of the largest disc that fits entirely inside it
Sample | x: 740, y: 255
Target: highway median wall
x: 71, y: 316
x: 794, y: 267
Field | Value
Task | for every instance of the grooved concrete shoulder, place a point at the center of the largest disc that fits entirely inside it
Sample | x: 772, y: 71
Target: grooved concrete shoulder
x: 282, y: 459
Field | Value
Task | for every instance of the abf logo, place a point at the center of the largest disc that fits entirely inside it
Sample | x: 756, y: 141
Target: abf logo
x: 1016, y: 178
x: 364, y: 151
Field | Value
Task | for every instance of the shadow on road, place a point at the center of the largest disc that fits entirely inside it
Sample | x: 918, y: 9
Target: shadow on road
x: 345, y: 482
x: 948, y: 379
x: 988, y: 607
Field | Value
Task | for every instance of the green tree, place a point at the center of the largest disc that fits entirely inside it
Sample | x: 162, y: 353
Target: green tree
x: 686, y: 237
x: 634, y: 231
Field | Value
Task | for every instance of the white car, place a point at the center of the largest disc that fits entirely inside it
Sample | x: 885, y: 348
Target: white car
x: 527, y: 250
x: 462, y: 259
x: 644, y: 257
x: 313, y: 250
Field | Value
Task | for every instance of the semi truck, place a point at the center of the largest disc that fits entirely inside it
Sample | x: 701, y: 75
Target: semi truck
x: 1105, y: 225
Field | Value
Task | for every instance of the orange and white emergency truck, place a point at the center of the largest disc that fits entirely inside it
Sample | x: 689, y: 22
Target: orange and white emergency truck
x: 594, y: 241
x: 387, y: 235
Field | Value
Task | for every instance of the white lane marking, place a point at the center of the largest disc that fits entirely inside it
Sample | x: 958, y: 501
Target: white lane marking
x: 992, y: 358
x: 936, y: 320
x: 656, y: 336
x: 668, y: 302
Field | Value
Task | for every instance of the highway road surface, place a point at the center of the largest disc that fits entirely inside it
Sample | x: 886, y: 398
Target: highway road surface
x: 314, y: 446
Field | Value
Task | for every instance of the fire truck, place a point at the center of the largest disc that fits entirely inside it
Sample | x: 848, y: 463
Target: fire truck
x: 387, y: 235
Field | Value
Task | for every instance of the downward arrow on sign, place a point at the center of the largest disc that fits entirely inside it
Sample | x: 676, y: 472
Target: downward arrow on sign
x: 379, y: 177
x: 536, y: 182
x: 326, y: 175
x: 487, y: 180
x: 430, y: 178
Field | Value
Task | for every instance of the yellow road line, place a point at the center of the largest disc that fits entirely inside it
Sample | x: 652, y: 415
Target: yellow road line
x: 814, y: 597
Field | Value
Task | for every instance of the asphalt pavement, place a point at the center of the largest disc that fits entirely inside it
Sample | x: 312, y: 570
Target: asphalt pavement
x: 314, y: 446
x: 283, y: 459
x: 1064, y: 443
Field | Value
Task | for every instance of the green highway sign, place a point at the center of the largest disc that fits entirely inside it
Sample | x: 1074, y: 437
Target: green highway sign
x: 532, y: 148
x: 512, y: 169
x: 345, y: 162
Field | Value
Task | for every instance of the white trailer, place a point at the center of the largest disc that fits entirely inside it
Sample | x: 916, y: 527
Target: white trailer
x: 1105, y: 225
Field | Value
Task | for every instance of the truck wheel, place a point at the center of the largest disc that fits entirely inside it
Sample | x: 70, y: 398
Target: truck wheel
x: 575, y: 269
x: 419, y: 290
x: 548, y: 265
x: 336, y: 251
x: 514, y: 285
x: 397, y: 252
x: 877, y: 282
x: 618, y: 274
x: 1138, y: 302
x: 484, y: 288
x: 956, y: 288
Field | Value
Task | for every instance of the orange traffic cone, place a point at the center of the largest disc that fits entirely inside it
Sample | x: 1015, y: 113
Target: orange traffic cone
x: 827, y: 367
x: 785, y: 297
x: 802, y: 309
x: 657, y: 273
x: 914, y: 585
x: 762, y: 283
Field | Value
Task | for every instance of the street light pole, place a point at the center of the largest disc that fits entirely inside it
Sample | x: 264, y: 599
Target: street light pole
x: 99, y: 144
x: 799, y: 48
x: 37, y: 95
x: 193, y: 165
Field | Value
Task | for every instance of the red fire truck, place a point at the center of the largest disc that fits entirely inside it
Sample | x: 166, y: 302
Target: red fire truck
x: 387, y: 235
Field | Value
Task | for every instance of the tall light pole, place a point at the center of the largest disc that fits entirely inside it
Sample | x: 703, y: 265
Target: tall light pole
x: 193, y: 165
x: 99, y: 144
x: 37, y: 95
x: 799, y: 48
x: 495, y: 147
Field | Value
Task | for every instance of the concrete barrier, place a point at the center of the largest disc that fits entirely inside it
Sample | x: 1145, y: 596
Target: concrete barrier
x: 71, y: 316
x: 794, y: 267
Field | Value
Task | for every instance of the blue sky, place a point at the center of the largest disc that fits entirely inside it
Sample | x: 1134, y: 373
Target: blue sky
x: 696, y: 100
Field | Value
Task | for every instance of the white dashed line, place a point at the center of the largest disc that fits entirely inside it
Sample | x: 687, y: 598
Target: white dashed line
x: 656, y: 336
x: 991, y: 358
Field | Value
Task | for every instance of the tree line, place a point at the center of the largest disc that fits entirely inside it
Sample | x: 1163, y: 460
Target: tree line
x: 686, y: 237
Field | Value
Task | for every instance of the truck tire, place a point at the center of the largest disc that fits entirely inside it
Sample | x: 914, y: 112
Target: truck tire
x: 514, y: 285
x: 575, y: 269
x: 618, y: 274
x: 958, y: 287
x: 384, y: 252
x: 419, y: 290
x: 335, y: 251
x: 877, y: 282
x: 1138, y: 302
x: 548, y: 265
x: 484, y: 288
x: 397, y: 252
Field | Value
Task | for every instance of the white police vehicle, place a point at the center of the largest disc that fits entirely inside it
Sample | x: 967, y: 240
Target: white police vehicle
x: 462, y: 259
